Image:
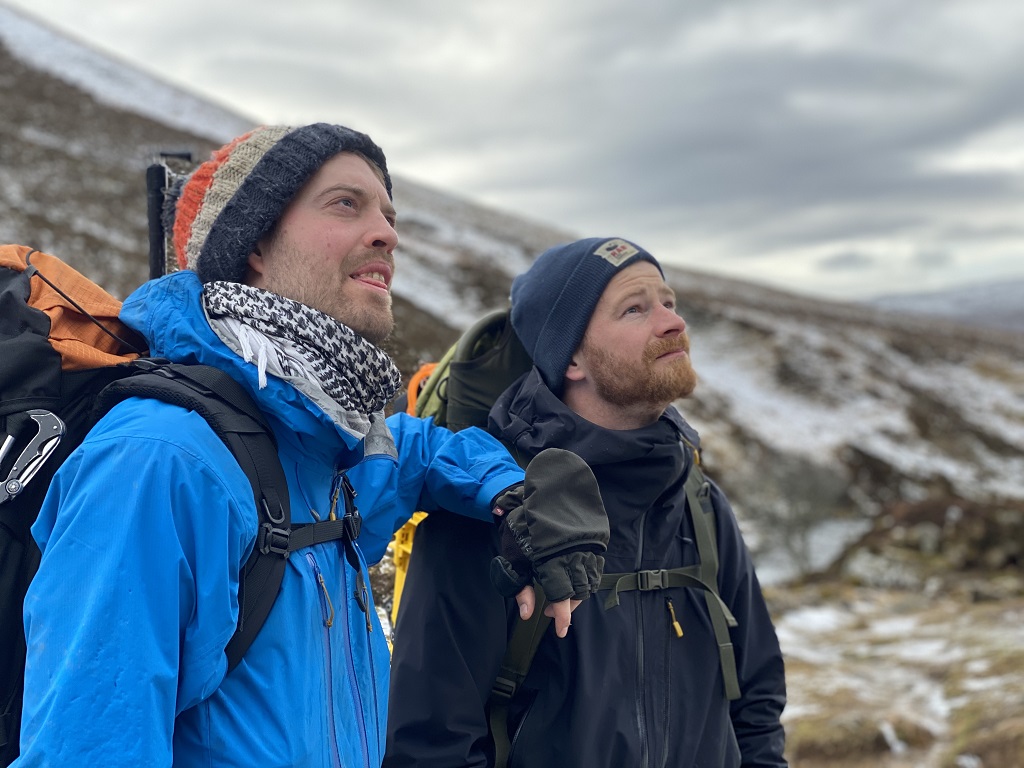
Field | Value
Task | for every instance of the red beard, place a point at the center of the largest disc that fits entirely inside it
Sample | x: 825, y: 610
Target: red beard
x: 625, y: 383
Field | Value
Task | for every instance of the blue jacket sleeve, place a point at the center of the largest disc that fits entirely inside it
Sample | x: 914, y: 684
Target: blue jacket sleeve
x: 435, y: 469
x: 136, y: 593
x: 756, y: 715
x: 462, y: 471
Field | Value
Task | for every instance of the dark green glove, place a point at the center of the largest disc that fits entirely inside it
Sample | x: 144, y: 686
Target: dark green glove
x: 554, y: 528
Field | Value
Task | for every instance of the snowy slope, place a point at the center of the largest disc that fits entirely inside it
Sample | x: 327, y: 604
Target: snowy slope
x: 113, y: 82
x: 818, y: 418
x: 811, y: 411
x: 992, y: 305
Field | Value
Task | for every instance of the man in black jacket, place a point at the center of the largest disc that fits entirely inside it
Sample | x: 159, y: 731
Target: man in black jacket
x: 658, y: 671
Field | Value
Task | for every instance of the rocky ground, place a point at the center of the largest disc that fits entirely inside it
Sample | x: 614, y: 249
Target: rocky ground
x: 897, y: 678
x: 910, y: 650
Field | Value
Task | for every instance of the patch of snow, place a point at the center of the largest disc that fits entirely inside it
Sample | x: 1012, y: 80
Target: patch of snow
x: 799, y: 629
x: 895, y: 744
x: 898, y: 626
x: 114, y: 83
x: 825, y: 542
x: 986, y: 683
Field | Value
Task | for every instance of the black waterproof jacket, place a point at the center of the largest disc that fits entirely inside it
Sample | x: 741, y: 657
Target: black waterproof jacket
x: 623, y: 689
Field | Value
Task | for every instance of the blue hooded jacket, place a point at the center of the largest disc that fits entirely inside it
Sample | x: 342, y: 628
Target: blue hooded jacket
x: 143, y: 533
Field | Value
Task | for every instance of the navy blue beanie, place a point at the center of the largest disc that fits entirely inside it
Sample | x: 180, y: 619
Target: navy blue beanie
x: 553, y: 300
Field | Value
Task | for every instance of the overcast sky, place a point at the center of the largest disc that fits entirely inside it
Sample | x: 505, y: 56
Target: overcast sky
x: 844, y: 149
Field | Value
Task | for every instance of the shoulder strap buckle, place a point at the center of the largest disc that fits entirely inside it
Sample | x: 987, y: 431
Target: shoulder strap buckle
x: 274, y: 540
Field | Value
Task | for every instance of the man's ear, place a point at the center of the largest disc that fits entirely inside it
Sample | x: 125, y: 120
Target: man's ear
x: 575, y: 371
x: 256, y: 268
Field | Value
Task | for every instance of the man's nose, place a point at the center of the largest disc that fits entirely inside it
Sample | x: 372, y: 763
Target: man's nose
x: 382, y: 234
x: 669, y: 322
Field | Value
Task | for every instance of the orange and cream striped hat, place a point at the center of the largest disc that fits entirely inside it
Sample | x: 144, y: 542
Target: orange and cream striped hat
x: 235, y: 198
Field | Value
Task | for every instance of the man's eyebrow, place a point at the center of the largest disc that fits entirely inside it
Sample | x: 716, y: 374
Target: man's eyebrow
x: 358, y: 192
x: 632, y: 294
x: 353, y: 189
x: 640, y: 291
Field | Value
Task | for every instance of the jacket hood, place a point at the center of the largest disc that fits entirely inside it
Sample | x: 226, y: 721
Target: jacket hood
x: 529, y: 416
x: 168, y: 312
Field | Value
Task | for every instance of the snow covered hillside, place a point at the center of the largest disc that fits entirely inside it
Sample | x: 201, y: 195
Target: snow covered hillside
x: 823, y: 421
x: 989, y: 305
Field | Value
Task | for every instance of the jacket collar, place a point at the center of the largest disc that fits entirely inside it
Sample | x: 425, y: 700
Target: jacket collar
x: 168, y: 313
x: 530, y: 417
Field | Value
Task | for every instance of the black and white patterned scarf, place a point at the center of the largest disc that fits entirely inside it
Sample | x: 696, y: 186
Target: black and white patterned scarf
x: 315, y: 352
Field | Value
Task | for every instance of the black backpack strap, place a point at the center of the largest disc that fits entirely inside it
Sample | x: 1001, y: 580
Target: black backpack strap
x: 231, y: 413
x: 522, y: 647
x: 238, y: 422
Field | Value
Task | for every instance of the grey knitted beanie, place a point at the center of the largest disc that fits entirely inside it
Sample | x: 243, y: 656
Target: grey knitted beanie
x: 236, y: 197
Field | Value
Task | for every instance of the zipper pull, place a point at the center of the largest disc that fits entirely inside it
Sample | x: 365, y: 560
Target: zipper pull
x: 329, y: 619
x: 362, y: 600
x: 336, y: 481
x: 672, y: 612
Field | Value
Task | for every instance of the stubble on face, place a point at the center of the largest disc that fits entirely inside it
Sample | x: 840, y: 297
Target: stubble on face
x: 624, y: 383
x: 292, y: 276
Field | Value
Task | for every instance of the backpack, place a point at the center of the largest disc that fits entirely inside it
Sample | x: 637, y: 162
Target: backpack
x: 65, y: 360
x: 458, y: 391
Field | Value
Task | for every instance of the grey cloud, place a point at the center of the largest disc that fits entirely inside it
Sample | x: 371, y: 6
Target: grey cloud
x: 753, y: 128
x: 931, y: 259
x: 848, y: 261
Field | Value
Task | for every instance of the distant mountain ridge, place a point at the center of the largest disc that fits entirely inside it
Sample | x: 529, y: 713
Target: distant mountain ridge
x: 819, y: 419
x: 810, y: 411
x: 997, y: 305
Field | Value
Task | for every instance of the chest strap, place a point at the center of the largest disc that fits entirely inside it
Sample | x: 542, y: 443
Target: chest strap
x: 703, y: 576
x: 647, y: 581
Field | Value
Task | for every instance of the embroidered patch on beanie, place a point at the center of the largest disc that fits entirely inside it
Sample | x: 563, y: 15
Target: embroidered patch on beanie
x: 617, y: 251
x: 235, y: 198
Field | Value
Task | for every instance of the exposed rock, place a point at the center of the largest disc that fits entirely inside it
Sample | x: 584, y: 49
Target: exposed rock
x: 948, y: 545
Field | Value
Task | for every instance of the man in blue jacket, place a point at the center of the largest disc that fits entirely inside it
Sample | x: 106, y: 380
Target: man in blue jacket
x: 644, y: 679
x: 286, y: 240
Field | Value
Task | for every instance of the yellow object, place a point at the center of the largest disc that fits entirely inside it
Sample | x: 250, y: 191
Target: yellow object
x: 675, y: 624
x: 401, y: 549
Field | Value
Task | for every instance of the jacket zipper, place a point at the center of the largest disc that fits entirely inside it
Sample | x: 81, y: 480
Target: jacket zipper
x: 515, y: 736
x: 328, y: 615
x: 675, y: 630
x: 339, y: 485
